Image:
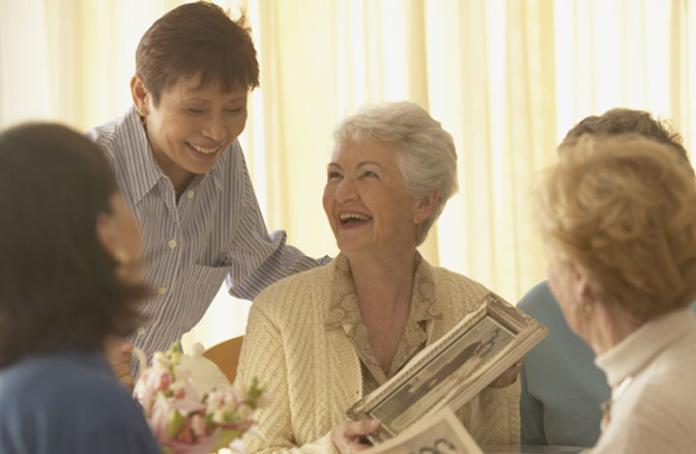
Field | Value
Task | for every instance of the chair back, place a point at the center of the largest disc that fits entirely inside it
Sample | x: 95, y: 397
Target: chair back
x: 226, y: 356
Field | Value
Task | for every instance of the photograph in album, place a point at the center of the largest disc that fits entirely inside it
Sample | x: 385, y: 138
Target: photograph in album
x: 453, y: 369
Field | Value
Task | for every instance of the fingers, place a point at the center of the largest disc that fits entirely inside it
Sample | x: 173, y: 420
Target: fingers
x: 119, y: 353
x: 508, y: 377
x: 347, y: 437
x: 357, y: 429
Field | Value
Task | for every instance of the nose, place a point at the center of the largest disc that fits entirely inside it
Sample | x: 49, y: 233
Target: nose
x: 215, y: 128
x: 346, y: 190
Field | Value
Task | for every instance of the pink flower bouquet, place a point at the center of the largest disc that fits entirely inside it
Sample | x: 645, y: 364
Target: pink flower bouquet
x: 191, y: 406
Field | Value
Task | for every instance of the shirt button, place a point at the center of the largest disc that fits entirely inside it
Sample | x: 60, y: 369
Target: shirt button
x: 190, y: 194
x: 172, y: 243
x: 162, y: 290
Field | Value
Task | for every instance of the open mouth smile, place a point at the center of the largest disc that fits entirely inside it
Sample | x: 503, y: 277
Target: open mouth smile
x: 204, y: 150
x: 350, y: 219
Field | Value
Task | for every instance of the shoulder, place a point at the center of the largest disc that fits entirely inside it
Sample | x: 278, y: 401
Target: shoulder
x: 659, y: 415
x: 70, y: 388
x: 297, y: 292
x: 540, y: 303
x: 112, y: 136
x: 88, y: 403
x: 232, y: 164
x: 456, y: 284
x: 454, y: 295
x: 537, y: 297
x: 659, y: 392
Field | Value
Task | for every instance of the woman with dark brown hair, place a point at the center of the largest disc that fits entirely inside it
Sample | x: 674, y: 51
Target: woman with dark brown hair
x: 70, y: 283
x: 177, y: 159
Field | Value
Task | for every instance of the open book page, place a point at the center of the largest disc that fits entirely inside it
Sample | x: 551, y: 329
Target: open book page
x: 440, y: 433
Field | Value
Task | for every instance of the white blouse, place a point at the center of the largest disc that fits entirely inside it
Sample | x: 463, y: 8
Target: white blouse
x: 652, y: 374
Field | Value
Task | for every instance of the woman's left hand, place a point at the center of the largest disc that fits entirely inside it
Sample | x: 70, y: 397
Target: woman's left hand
x: 347, y: 437
x: 508, y: 377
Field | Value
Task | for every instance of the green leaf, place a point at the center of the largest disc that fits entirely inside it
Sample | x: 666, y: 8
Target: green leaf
x: 174, y: 422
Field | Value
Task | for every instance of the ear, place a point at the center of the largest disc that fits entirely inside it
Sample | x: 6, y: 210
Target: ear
x: 106, y: 234
x: 582, y: 289
x: 425, y: 206
x: 140, y: 95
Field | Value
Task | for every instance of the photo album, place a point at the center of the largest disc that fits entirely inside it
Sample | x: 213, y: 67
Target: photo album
x: 446, y: 374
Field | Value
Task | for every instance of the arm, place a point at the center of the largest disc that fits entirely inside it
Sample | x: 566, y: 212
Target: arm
x: 495, y: 416
x: 531, y: 415
x: 639, y: 436
x: 263, y: 357
x: 257, y: 258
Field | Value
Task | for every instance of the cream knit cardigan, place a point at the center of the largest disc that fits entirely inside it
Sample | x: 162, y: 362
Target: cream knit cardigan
x: 313, y: 374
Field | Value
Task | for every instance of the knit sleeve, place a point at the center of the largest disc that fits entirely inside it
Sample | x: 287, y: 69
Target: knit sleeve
x: 495, y: 416
x: 263, y: 357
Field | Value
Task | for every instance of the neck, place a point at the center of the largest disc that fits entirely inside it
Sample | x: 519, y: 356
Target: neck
x: 608, y: 326
x: 387, y: 278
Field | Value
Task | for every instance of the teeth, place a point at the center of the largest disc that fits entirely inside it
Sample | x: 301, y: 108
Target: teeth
x: 203, y: 149
x: 347, y: 216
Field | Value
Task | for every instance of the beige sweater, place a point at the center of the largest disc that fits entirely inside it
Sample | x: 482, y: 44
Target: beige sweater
x: 313, y: 375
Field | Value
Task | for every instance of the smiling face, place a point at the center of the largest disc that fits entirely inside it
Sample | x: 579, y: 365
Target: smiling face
x: 191, y: 126
x: 366, y: 201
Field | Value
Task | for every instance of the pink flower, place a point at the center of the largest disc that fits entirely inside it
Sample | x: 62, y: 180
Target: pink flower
x: 165, y: 380
x: 198, y: 425
x: 190, y: 405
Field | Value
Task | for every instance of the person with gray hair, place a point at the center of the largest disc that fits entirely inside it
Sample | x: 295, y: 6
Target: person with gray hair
x: 322, y: 339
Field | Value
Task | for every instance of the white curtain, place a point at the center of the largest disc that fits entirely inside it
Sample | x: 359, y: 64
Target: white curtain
x: 507, y: 78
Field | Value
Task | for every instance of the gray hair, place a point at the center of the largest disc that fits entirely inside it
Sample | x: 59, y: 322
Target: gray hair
x: 425, y: 152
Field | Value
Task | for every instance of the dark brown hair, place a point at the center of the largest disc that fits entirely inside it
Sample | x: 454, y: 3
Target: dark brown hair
x: 196, y: 38
x: 58, y: 286
x: 627, y: 121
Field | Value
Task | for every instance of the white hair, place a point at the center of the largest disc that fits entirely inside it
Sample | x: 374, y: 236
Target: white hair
x: 425, y: 152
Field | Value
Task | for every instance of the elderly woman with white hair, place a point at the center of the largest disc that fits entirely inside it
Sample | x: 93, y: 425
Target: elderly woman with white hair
x: 322, y: 339
x: 619, y: 219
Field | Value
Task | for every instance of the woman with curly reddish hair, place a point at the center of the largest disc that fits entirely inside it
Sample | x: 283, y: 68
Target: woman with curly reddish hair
x: 619, y: 219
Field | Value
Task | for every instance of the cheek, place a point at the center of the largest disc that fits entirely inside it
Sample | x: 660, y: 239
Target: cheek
x: 236, y: 125
x: 560, y: 292
x: 168, y: 130
x: 327, y: 201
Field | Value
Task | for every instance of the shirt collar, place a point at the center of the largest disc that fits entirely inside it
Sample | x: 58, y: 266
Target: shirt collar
x: 343, y: 309
x: 142, y: 170
x: 633, y: 353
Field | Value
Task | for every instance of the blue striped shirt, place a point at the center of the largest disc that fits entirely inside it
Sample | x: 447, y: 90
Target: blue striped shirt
x: 213, y: 232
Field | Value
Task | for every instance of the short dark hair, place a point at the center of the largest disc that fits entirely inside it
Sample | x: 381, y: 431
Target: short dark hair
x: 59, y: 287
x: 196, y: 38
x: 628, y: 121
